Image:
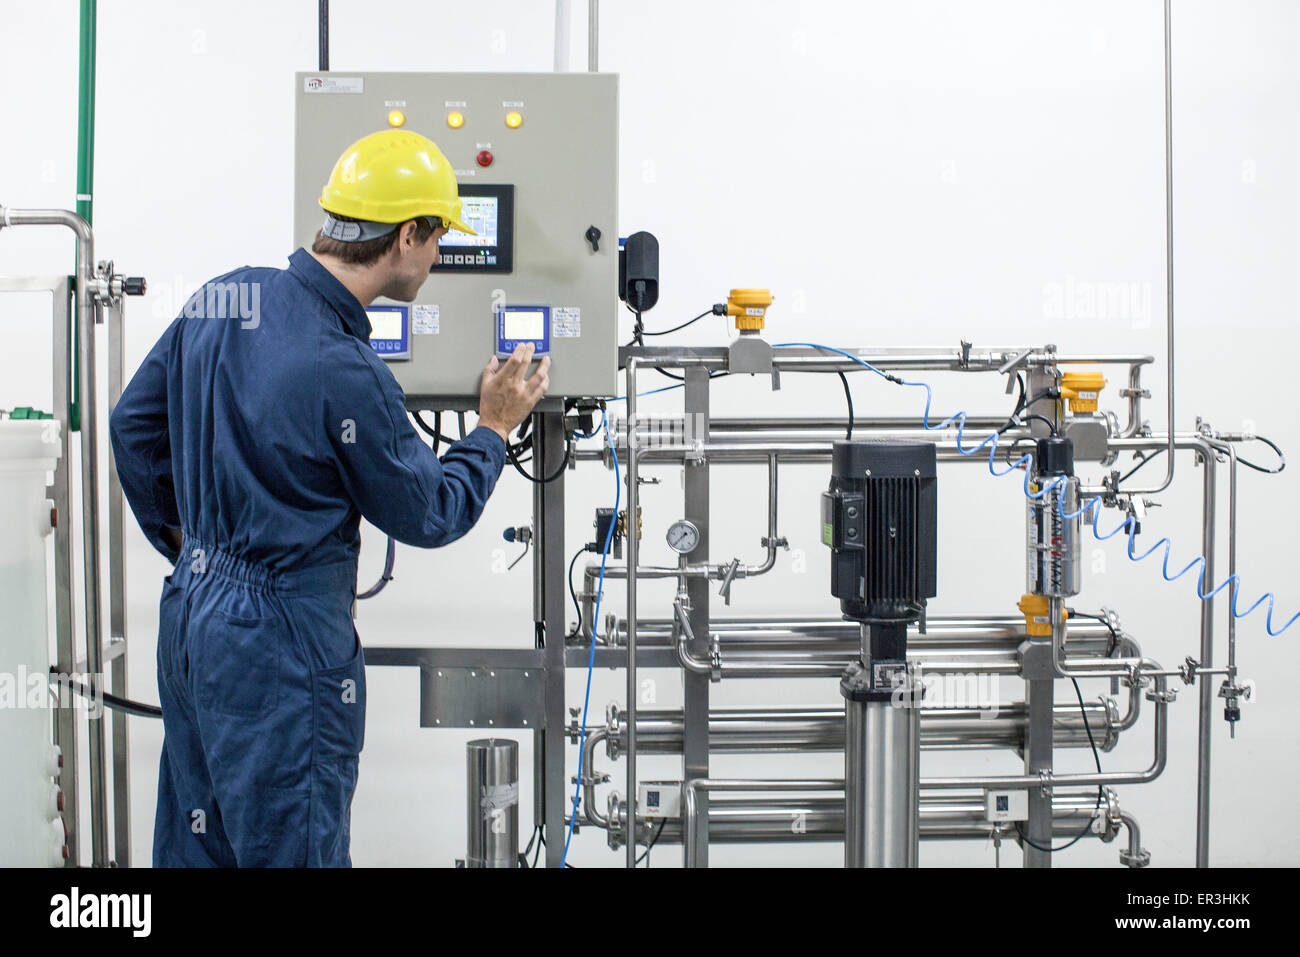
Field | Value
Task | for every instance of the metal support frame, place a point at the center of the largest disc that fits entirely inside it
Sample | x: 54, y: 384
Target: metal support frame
x: 695, y: 686
x: 117, y: 646
x: 780, y: 648
x: 66, y: 726
x: 549, y: 567
x: 1040, y: 690
x: 1206, y: 699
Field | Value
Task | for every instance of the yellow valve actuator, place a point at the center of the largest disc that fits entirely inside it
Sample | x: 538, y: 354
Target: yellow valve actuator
x: 749, y: 308
x: 1082, y: 389
x: 1038, y: 615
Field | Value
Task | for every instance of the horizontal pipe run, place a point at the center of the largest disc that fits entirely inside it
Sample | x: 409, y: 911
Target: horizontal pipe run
x: 817, y: 729
x: 834, y: 789
x: 751, y: 452
x: 1000, y: 634
x: 832, y: 424
x: 741, y: 820
x: 802, y: 359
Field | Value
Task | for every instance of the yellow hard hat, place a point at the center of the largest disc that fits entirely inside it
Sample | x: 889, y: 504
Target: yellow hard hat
x: 392, y: 176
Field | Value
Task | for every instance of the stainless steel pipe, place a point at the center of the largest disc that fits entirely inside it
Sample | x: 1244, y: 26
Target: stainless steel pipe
x: 882, y: 767
x: 781, y: 730
x: 785, y: 819
x: 818, y: 819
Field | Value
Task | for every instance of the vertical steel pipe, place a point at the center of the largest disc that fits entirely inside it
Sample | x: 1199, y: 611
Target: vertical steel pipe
x: 882, y: 761
x: 86, y: 310
x: 1206, y: 699
x: 632, y: 543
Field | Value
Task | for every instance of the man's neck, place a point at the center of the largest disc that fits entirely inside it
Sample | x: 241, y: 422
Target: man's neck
x: 362, y: 281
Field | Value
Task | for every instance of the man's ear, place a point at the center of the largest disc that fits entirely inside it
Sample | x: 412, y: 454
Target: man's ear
x: 406, y: 235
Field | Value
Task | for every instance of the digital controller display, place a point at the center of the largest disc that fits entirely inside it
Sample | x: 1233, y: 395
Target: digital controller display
x: 489, y: 210
x: 517, y: 325
x: 390, y: 331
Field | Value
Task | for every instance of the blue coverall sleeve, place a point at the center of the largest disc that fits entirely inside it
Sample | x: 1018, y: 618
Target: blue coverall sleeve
x: 395, y: 480
x: 142, y: 451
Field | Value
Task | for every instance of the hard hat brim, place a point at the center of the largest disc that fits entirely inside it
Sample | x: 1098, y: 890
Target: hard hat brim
x: 457, y: 225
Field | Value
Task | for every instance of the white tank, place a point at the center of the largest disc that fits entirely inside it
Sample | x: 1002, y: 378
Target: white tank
x: 30, y: 831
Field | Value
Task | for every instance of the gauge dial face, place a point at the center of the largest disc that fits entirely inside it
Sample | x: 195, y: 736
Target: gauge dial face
x: 683, y: 536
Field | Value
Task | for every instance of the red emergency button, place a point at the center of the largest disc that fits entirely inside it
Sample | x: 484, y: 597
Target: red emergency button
x: 484, y: 157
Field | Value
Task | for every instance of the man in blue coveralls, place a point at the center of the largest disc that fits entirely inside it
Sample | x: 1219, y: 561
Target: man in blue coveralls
x: 250, y: 443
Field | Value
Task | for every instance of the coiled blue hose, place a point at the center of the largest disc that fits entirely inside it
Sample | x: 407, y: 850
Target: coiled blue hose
x: 1094, y: 503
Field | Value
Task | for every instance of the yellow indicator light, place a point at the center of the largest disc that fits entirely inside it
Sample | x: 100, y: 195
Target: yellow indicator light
x: 396, y: 117
x: 455, y: 119
x: 514, y: 119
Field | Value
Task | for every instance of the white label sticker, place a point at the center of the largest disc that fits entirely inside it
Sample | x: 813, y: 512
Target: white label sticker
x: 566, y: 322
x: 495, y: 797
x: 394, y: 103
x: 424, y: 320
x: 333, y: 84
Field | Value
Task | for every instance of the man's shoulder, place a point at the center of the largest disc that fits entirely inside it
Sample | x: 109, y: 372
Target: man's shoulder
x: 258, y: 274
x: 249, y: 292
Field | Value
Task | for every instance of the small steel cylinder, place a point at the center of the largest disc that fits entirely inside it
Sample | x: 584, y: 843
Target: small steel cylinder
x: 492, y: 799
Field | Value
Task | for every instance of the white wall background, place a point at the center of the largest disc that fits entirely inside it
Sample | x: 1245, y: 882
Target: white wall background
x: 958, y: 163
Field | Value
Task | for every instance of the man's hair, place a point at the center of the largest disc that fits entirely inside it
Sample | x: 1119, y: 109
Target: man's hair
x: 370, y: 250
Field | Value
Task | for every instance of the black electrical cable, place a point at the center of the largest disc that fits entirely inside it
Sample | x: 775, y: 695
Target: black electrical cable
x: 664, y: 332
x: 125, y: 705
x: 1259, y: 468
x: 638, y: 339
x: 645, y: 855
x: 523, y: 856
x: 433, y: 431
x: 1020, y: 406
x: 1096, y: 807
x: 638, y: 330
x: 1114, y: 635
x: 390, y: 559
x: 1125, y: 477
x: 1044, y: 419
x: 1011, y: 451
x: 430, y: 430
x: 573, y: 592
x: 323, y: 19
x: 550, y: 478
x: 848, y: 398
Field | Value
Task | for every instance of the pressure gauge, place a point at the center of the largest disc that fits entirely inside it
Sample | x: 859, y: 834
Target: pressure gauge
x: 683, y: 536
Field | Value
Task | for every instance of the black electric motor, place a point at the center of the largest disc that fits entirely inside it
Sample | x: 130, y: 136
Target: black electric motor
x: 880, y: 519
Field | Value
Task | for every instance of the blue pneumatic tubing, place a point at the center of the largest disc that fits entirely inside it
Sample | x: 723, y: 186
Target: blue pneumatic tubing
x: 595, y: 620
x: 1094, y: 502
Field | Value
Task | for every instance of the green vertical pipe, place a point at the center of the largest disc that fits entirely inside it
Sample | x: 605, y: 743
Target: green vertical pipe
x: 85, y: 175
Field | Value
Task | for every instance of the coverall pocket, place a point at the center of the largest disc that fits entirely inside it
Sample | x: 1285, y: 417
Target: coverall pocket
x: 173, y: 666
x: 237, y: 664
x: 339, y: 698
